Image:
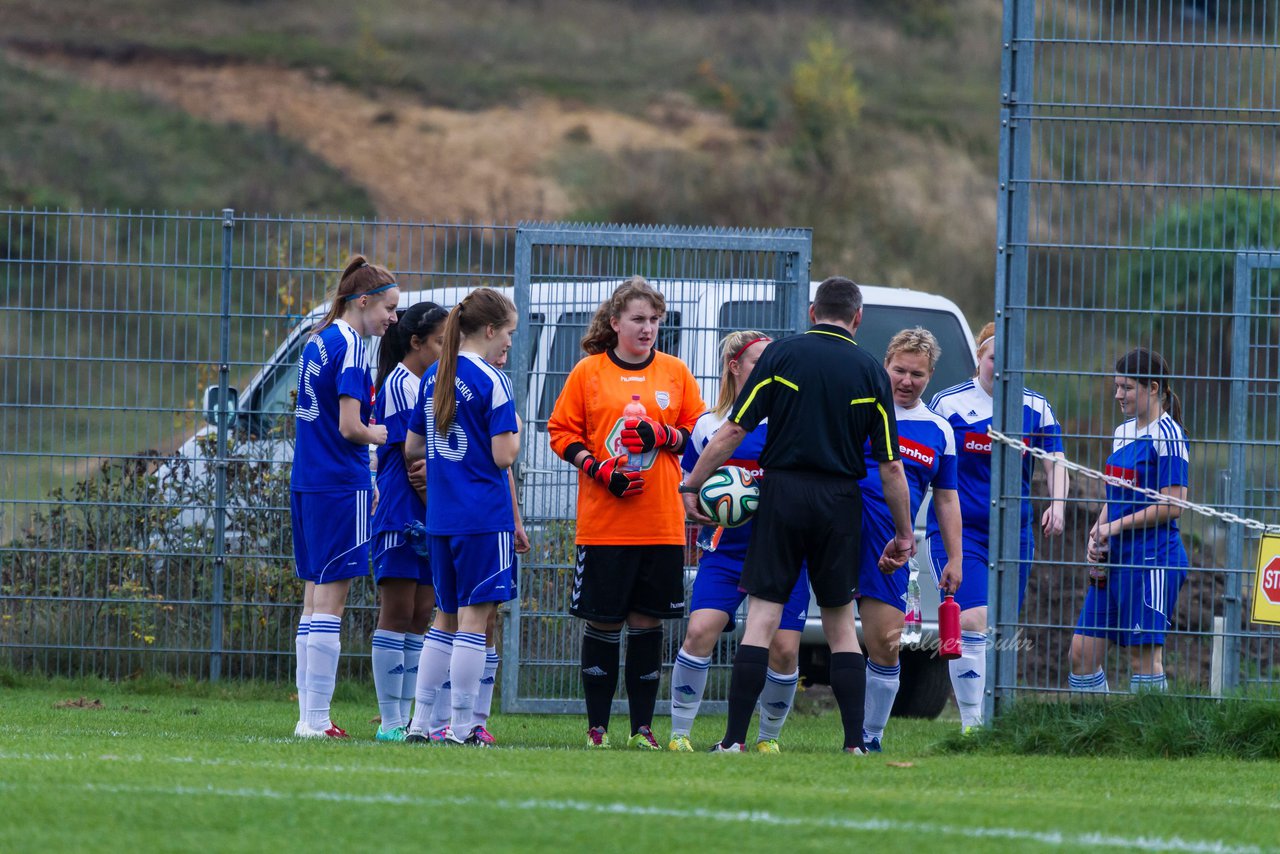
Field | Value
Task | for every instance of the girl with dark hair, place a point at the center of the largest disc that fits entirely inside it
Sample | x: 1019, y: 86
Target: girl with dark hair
x: 400, y: 568
x: 330, y: 493
x: 630, y: 532
x: 465, y: 426
x: 1136, y: 536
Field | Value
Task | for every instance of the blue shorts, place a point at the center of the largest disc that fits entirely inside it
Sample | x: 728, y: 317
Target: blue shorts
x: 890, y: 589
x: 973, y: 584
x: 471, y: 569
x: 1134, y: 608
x: 715, y: 588
x: 393, y: 557
x: 330, y: 534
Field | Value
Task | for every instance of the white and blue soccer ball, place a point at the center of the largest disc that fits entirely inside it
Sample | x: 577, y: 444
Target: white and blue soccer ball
x: 730, y: 496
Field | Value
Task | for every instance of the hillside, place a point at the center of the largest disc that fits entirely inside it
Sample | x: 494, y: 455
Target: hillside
x: 871, y: 122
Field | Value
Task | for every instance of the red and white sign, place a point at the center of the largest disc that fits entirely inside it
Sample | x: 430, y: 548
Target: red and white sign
x: 977, y: 443
x: 1270, y: 581
x: 922, y: 454
x: 752, y: 466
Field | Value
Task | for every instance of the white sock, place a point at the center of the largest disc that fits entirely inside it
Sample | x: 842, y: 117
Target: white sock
x: 1141, y: 682
x: 465, y: 672
x: 323, y: 648
x: 688, y: 682
x: 882, y: 690
x: 433, y: 668
x: 484, y: 699
x: 388, y: 675
x: 1093, y: 683
x: 300, y: 673
x: 442, y: 712
x: 969, y: 677
x: 775, y: 702
x: 412, y: 653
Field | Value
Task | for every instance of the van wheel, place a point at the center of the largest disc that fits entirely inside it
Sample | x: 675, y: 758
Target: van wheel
x: 815, y: 665
x: 924, y: 685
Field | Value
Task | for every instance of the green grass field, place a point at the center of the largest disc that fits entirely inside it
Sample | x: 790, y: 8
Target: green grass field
x: 213, y: 769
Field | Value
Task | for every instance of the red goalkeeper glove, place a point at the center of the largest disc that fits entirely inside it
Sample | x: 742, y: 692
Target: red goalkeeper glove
x: 609, y: 474
x: 641, y: 435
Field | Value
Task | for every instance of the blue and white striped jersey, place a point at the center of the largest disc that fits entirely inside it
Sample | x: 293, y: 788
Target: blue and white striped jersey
x: 466, y: 491
x: 398, y: 503
x: 928, y: 451
x: 1151, y: 457
x: 333, y: 365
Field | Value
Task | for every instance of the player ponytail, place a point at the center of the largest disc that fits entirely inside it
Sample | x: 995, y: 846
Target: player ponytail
x: 482, y: 308
x: 1148, y: 366
x: 600, y: 336
x: 421, y: 319
x: 732, y: 346
x: 359, y: 278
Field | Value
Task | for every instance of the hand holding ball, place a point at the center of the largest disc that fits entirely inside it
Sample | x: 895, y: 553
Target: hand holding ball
x: 730, y: 496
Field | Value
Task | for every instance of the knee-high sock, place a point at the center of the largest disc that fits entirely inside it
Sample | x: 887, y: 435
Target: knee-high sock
x: 600, y: 650
x: 749, y: 667
x: 388, y: 675
x: 882, y: 690
x: 1094, y: 683
x: 323, y: 649
x: 688, y: 682
x: 465, y: 672
x: 484, y: 700
x: 969, y: 677
x: 775, y: 702
x: 300, y: 672
x: 433, y: 668
x: 441, y: 715
x: 409, y: 685
x: 644, y: 674
x: 1140, y: 682
x: 849, y: 685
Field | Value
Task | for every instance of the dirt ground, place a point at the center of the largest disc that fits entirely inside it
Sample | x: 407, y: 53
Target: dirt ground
x: 415, y: 161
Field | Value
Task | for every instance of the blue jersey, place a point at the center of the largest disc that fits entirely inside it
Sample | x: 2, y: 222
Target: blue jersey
x: 968, y: 409
x: 398, y: 502
x: 333, y: 365
x: 927, y: 447
x: 466, y: 491
x: 1151, y: 457
x: 733, y: 541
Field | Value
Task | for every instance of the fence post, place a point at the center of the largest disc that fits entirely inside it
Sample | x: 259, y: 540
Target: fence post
x: 220, y: 464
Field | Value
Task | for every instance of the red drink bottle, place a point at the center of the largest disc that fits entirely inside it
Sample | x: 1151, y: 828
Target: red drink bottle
x: 949, y: 628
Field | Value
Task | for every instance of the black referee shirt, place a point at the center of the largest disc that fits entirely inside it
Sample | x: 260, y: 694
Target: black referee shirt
x: 824, y: 397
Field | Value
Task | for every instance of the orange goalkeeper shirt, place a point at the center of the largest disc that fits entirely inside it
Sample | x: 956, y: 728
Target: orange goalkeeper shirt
x: 589, y: 411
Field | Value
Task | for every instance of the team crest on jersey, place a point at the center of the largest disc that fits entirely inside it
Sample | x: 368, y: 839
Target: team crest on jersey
x: 664, y: 399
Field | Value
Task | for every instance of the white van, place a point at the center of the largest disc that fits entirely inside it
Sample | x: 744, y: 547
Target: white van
x: 699, y: 314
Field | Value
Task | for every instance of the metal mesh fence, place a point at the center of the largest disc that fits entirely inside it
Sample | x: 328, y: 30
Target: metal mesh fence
x: 125, y: 546
x: 1138, y: 162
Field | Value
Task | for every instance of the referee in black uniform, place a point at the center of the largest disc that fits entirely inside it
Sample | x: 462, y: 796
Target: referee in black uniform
x: 825, y: 398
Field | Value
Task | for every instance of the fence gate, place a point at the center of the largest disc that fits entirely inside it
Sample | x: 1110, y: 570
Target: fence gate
x: 1139, y: 168
x: 714, y: 281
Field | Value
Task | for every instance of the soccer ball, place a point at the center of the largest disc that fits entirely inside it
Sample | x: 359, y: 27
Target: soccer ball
x: 730, y: 496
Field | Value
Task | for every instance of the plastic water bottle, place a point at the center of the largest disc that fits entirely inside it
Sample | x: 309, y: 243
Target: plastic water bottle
x: 911, y: 630
x: 634, y: 409
x: 1098, y: 555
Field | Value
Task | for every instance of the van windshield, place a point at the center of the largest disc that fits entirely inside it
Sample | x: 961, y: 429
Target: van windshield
x: 880, y: 323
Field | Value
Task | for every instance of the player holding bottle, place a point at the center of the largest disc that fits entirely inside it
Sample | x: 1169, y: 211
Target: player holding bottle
x: 928, y: 452
x: 716, y: 595
x: 329, y: 491
x: 968, y: 408
x: 630, y: 533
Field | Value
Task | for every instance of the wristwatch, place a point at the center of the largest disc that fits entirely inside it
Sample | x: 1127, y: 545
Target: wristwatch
x: 685, y: 489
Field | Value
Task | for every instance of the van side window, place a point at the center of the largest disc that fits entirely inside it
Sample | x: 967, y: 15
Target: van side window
x: 880, y: 323
x: 274, y: 398
x: 761, y: 315
x: 566, y: 350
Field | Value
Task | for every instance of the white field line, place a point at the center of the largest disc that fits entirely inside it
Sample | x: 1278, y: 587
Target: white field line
x: 748, y: 817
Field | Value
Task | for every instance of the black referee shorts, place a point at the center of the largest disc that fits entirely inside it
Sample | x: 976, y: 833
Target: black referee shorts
x: 811, y: 517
